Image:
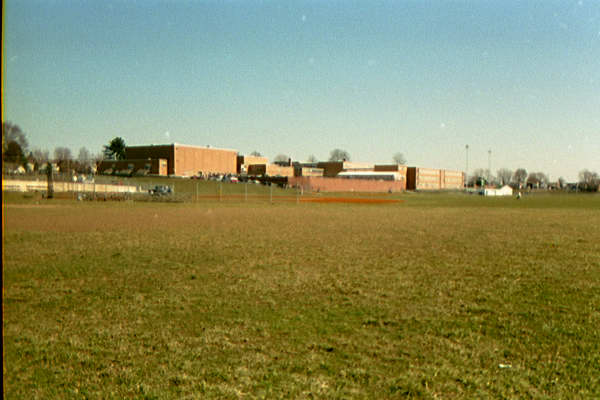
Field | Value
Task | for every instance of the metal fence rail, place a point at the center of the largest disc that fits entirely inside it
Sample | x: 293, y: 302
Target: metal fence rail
x: 15, y: 185
x: 151, y: 189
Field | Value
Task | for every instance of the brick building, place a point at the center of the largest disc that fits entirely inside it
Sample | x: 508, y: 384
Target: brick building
x: 332, y: 168
x: 243, y: 162
x: 325, y: 184
x: 433, y: 179
x: 270, y: 170
x: 173, y: 159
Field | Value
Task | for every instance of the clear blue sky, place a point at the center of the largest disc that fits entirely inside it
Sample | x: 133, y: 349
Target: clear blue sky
x: 425, y: 78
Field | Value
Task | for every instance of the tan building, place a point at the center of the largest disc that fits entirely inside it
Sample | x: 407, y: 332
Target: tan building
x: 243, y: 162
x: 181, y: 160
x: 332, y: 168
x: 324, y: 184
x: 433, y: 179
x: 270, y: 170
x: 307, y: 171
x: 452, y: 179
x: 400, y: 169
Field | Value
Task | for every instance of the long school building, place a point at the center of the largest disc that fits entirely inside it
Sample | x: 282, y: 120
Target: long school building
x: 174, y: 159
x: 433, y: 179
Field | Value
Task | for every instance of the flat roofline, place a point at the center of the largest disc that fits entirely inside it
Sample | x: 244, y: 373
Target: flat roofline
x: 180, y: 145
x: 365, y: 173
x: 356, y: 164
x: 135, y: 159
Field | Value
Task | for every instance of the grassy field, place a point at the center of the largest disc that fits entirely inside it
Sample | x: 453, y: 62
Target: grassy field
x: 440, y: 296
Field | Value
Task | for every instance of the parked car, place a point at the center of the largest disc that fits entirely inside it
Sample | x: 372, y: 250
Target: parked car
x: 160, y: 190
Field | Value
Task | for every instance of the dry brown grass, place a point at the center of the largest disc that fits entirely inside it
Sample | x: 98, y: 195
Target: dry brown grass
x: 302, y: 300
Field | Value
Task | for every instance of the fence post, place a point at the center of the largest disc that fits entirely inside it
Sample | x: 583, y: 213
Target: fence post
x: 246, y: 191
x: 50, y: 181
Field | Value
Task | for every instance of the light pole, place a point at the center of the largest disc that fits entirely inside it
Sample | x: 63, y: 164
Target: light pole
x: 467, y: 170
x: 489, y: 164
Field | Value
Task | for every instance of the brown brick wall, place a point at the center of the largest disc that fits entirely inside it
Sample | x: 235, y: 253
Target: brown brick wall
x: 401, y: 169
x: 257, y: 169
x: 141, y: 152
x: 428, y: 179
x: 165, y: 151
x: 270, y: 170
x: 308, y: 171
x: 389, y: 168
x: 190, y: 160
x: 277, y: 170
x: 433, y: 179
x: 246, y: 161
x: 185, y: 160
x: 331, y: 168
x: 452, y: 179
x: 325, y: 184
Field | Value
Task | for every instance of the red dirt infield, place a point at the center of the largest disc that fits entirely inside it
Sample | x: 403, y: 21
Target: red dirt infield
x: 350, y: 200
x: 355, y: 200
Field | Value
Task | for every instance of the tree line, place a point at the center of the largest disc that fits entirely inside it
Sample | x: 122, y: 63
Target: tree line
x: 16, y: 152
x: 520, y: 178
x: 335, y: 155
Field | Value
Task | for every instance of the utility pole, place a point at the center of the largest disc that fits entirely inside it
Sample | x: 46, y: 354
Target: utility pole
x: 489, y: 164
x: 467, y: 170
x: 50, y: 175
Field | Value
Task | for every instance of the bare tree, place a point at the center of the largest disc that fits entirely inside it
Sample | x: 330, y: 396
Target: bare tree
x: 537, y: 179
x: 490, y: 179
x: 256, y: 153
x: 40, y: 156
x: 312, y: 159
x: 63, y: 157
x: 62, y: 154
x: 96, y: 160
x: 504, y: 176
x: 399, y: 158
x: 339, y: 155
x: 98, y: 157
x: 84, y: 159
x: 478, y: 177
x: 84, y: 156
x: 587, y: 176
x: 589, y: 180
x: 281, y: 158
x: 520, y: 176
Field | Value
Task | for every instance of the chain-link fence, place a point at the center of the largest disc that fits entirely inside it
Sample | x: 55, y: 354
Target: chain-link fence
x: 147, y: 189
x: 175, y: 190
